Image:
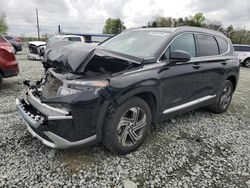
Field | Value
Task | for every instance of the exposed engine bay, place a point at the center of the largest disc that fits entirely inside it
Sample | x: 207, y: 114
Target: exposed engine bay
x: 87, y: 59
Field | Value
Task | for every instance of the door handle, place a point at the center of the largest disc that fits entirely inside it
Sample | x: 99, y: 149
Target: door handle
x: 223, y: 63
x: 196, y: 66
x: 163, y: 69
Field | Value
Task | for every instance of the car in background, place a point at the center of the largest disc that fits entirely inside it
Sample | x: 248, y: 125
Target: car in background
x: 8, y: 64
x: 15, y: 41
x: 243, y: 53
x: 69, y: 38
x: 35, y: 48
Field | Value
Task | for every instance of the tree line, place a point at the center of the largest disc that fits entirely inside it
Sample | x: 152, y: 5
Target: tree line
x: 116, y: 25
x: 238, y: 36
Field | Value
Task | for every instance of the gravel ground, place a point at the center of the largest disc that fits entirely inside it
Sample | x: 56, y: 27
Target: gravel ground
x: 197, y: 149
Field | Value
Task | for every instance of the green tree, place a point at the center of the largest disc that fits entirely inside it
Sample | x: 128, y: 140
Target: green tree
x: 113, y: 26
x: 3, y: 23
x: 199, y: 20
x: 161, y: 21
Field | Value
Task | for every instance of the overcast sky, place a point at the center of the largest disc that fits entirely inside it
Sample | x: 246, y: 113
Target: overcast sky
x: 88, y: 16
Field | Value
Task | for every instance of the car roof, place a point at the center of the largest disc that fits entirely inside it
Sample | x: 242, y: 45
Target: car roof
x: 180, y: 29
x: 61, y: 36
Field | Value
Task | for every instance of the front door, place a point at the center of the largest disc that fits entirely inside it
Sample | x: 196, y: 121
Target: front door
x: 181, y: 83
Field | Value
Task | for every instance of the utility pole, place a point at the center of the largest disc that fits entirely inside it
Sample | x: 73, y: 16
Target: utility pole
x: 59, y: 29
x: 37, y: 25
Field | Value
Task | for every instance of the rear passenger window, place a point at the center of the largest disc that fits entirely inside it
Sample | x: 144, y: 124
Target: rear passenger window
x: 207, y: 45
x: 242, y: 48
x: 185, y: 43
x: 74, y: 39
x: 223, y: 44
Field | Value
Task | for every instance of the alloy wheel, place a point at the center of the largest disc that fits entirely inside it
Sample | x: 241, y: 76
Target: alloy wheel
x: 247, y: 64
x: 131, y: 126
x: 226, y: 97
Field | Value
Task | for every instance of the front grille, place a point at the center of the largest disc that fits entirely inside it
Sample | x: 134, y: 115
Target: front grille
x: 51, y: 86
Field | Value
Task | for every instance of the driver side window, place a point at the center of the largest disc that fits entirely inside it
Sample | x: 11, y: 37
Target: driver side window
x: 183, y: 42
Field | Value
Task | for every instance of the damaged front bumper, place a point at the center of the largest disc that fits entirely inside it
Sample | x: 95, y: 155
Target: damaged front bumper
x: 38, y: 115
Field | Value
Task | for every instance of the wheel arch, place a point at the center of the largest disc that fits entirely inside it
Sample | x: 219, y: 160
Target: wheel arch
x: 233, y: 80
x: 150, y: 95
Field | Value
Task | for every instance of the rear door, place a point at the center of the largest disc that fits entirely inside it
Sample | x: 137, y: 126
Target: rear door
x: 210, y: 50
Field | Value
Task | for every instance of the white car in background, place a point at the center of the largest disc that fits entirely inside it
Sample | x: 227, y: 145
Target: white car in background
x: 243, y: 53
x: 37, y: 47
x: 72, y: 38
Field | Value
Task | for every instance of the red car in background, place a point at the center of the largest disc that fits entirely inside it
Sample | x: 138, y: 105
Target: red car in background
x: 8, y: 63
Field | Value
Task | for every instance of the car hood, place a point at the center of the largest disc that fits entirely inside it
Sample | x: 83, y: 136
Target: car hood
x: 74, y: 57
x: 37, y: 43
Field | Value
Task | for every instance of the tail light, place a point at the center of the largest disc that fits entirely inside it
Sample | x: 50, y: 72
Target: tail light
x: 8, y: 48
x: 18, y: 39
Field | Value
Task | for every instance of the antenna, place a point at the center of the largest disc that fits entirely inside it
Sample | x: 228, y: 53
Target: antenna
x: 37, y: 25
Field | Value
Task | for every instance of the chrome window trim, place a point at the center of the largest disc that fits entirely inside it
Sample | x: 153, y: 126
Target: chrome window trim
x: 195, y: 33
x: 188, y: 104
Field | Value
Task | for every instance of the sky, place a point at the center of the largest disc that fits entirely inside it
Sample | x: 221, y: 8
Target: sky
x: 88, y: 16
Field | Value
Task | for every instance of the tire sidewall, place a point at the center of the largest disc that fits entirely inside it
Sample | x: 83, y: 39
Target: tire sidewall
x: 245, y: 63
x: 119, y: 112
x: 224, y: 85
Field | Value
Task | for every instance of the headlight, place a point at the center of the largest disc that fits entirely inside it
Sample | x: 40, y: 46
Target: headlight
x: 74, y: 87
x: 67, y: 91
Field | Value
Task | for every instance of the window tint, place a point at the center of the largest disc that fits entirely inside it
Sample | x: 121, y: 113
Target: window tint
x: 223, y: 45
x: 242, y: 48
x: 185, y: 43
x: 74, y: 39
x: 207, y: 45
x: 8, y: 37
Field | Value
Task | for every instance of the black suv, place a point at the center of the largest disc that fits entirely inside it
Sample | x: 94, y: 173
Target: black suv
x: 113, y: 92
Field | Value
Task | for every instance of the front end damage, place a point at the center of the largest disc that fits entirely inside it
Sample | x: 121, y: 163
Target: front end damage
x: 60, y: 119
x: 67, y: 106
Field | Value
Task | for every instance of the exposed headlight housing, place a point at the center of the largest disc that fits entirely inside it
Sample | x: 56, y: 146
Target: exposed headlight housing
x: 73, y: 87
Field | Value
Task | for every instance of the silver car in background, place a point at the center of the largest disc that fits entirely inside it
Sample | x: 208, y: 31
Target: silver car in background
x: 243, y: 53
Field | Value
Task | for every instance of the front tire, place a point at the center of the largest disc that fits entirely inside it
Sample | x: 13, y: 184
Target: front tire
x: 224, y: 98
x: 127, y: 126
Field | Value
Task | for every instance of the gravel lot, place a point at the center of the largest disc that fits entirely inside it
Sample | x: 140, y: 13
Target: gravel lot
x: 197, y: 149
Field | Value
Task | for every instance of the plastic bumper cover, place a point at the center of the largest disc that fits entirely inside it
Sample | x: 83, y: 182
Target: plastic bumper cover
x: 33, y: 121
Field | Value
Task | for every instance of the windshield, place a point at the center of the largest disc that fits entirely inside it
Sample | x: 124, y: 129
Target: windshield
x: 139, y: 43
x: 54, y: 39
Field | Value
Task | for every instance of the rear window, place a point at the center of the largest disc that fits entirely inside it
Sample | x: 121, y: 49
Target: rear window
x: 74, y: 39
x: 8, y: 37
x: 242, y: 48
x: 223, y: 45
x: 207, y: 45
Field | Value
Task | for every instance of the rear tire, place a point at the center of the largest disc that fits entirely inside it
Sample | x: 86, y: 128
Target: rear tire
x: 127, y: 126
x: 224, y: 98
x: 246, y: 63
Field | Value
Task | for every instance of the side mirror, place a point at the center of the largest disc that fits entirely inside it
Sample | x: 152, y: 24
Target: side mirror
x: 179, y: 56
